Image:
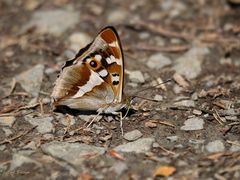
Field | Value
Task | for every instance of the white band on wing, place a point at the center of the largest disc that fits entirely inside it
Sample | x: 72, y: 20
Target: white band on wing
x: 93, y: 81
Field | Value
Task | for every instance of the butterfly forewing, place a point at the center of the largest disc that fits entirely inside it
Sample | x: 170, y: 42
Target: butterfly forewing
x: 94, y: 78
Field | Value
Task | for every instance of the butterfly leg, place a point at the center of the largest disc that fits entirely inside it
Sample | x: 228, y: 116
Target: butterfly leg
x: 94, y: 119
x: 121, y: 122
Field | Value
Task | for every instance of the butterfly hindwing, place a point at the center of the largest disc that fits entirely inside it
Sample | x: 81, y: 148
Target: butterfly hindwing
x: 94, y: 78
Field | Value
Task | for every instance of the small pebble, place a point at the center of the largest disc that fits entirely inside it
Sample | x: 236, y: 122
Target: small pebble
x: 192, y: 124
x: 185, y: 103
x: 158, y: 97
x: 31, y: 80
x: 139, y: 146
x: 235, y: 147
x: 172, y: 138
x: 197, y: 112
x: 136, y: 76
x: 7, y: 121
x: 132, y: 135
x: 151, y: 124
x: 215, y: 146
x: 158, y: 61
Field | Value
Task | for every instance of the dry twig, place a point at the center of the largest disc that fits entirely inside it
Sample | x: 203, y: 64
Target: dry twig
x: 9, y: 140
x: 163, y: 31
x: 169, y: 48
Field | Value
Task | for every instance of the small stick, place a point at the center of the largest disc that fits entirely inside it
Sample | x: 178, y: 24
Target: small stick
x: 171, y: 48
x: 12, y: 86
x: 168, y: 151
x: 163, y: 31
x: 28, y: 107
x: 234, y: 143
x: 41, y: 106
x: 17, y: 136
x: 166, y: 123
x: 20, y: 94
x: 218, y: 118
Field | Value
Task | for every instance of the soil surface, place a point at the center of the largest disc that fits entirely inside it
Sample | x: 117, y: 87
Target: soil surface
x: 188, y: 128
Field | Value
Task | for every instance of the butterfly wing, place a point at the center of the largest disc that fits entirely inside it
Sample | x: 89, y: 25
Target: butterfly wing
x: 94, y: 78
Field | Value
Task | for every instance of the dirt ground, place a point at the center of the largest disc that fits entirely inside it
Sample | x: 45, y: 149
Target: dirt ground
x: 192, y: 132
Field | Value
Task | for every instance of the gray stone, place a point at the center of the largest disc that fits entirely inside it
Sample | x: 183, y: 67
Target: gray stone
x: 172, y: 138
x: 48, y: 136
x: 230, y: 112
x: 155, y: 145
x: 46, y: 100
x: 139, y: 146
x: 73, y: 153
x: 173, y: 8
x: 177, y: 89
x: 89, y: 118
x: 53, y: 21
x: 185, y: 103
x: 31, y: 145
x: 19, y: 159
x: 215, y: 146
x: 31, y: 79
x: 158, y: 61
x: 44, y: 124
x: 50, y: 71
x: 79, y: 40
x: 196, y: 141
x: 195, y: 123
x: 235, y: 147
x: 7, y: 121
x: 7, y: 131
x: 197, y: 112
x: 132, y: 135
x: 158, y: 97
x: 119, y: 168
x: 117, y: 16
x: 189, y: 64
x: 2, y: 147
x: 136, y: 76
x: 70, y: 120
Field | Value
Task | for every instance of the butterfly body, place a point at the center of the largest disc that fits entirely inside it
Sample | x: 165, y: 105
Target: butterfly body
x: 93, y: 80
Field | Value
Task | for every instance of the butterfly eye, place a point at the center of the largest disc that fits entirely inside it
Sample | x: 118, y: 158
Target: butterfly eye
x: 93, y: 64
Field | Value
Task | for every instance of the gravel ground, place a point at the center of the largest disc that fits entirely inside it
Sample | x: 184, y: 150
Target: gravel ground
x: 191, y: 132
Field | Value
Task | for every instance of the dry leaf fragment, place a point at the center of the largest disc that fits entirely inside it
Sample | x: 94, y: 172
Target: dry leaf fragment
x: 151, y: 124
x: 116, y: 155
x: 179, y: 79
x: 216, y: 156
x: 85, y: 176
x: 164, y: 171
x: 223, y: 104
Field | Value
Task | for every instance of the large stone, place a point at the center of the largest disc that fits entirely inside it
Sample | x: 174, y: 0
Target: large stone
x: 139, y: 146
x: 158, y: 61
x: 31, y: 79
x: 19, y: 159
x: 44, y: 124
x: 73, y: 153
x: 53, y: 21
x: 189, y: 64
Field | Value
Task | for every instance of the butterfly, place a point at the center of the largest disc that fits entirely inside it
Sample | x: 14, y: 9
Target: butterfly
x: 93, y: 80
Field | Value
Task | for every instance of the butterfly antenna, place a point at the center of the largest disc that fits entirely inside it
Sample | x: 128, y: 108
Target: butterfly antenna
x: 136, y: 96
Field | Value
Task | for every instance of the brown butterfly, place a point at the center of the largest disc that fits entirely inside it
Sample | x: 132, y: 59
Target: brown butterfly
x: 93, y: 80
